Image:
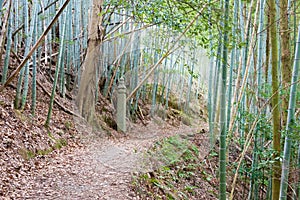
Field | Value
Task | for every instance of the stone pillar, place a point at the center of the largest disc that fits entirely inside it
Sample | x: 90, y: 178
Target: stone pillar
x: 121, y: 106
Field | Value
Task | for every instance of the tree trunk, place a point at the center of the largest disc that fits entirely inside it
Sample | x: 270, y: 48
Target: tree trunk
x: 85, y: 99
x: 286, y: 68
x: 4, y: 28
x: 275, y: 102
x: 290, y: 125
x: 223, y: 129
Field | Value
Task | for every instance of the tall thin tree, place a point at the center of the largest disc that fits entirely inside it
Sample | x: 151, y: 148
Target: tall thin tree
x: 85, y: 99
x: 276, y: 168
x: 290, y: 123
x: 223, y: 130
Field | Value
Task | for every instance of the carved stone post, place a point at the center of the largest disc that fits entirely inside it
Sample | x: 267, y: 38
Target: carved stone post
x: 121, y: 106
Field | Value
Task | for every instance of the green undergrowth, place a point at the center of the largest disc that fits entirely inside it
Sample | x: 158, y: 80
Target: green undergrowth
x: 58, y: 143
x: 178, y: 172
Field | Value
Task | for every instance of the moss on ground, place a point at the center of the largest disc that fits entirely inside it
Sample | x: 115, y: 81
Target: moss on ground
x: 180, y: 175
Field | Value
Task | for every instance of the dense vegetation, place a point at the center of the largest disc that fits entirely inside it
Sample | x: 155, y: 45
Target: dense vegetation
x: 80, y: 49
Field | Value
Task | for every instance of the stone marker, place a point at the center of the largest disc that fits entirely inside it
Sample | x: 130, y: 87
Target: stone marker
x: 121, y: 106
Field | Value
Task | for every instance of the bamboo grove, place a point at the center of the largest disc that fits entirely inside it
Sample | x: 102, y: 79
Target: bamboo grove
x: 244, y: 54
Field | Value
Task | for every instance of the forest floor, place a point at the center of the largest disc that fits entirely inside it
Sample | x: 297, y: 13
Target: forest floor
x: 69, y: 160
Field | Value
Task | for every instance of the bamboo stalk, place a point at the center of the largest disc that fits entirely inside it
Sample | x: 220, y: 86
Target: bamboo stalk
x: 29, y: 30
x: 34, y: 71
x: 290, y: 123
x: 59, y: 64
x: 4, y: 29
x: 254, y: 186
x: 223, y: 129
x: 276, y: 168
x: 8, y: 48
x: 244, y: 81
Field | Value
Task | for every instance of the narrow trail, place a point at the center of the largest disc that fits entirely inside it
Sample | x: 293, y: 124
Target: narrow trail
x: 102, y: 168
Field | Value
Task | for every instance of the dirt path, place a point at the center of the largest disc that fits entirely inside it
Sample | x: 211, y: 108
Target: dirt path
x: 101, y: 169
